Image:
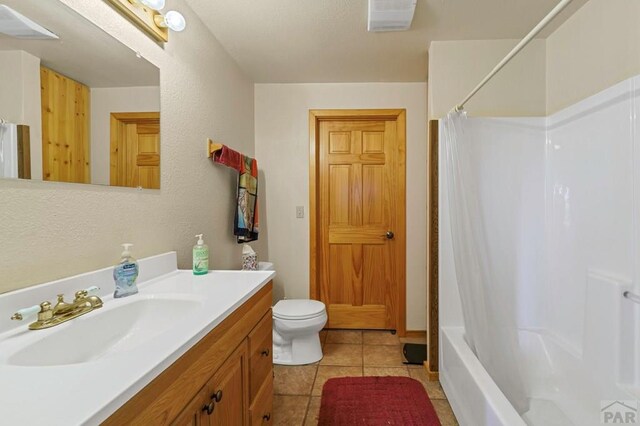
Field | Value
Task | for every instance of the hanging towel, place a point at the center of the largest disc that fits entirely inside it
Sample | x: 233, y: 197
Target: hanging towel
x: 229, y: 158
x: 245, y: 224
x: 246, y: 220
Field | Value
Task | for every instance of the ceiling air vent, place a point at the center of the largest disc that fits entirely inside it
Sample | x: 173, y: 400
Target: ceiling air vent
x: 16, y: 25
x: 391, y: 15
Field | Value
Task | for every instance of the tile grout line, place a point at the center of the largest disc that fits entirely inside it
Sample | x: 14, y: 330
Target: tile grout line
x: 306, y: 411
x: 313, y: 384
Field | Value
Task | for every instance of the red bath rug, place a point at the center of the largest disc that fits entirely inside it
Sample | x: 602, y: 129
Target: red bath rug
x: 372, y: 401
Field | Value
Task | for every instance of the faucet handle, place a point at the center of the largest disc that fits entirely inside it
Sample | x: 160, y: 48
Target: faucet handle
x: 25, y: 313
x: 92, y: 290
x: 81, y: 294
x: 43, y: 310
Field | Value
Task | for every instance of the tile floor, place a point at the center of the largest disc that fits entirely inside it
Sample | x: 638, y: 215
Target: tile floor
x: 297, y: 389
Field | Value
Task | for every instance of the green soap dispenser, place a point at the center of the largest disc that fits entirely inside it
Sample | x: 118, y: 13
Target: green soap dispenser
x: 200, y: 257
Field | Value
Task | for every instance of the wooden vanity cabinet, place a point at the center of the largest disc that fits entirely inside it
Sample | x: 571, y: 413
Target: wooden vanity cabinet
x: 222, y: 400
x: 195, y: 413
x: 225, y: 379
x: 261, y: 372
x: 261, y: 411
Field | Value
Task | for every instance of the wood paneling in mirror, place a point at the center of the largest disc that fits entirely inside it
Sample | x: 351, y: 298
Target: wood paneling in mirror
x: 24, y: 152
x: 65, y: 128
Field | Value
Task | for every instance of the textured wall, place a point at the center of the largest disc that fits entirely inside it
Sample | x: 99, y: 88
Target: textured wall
x: 456, y: 67
x: 282, y: 144
x: 596, y: 48
x: 20, y: 100
x: 11, y: 85
x: 51, y: 230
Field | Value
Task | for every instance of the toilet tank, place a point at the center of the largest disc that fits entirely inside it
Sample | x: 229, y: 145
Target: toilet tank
x: 265, y: 266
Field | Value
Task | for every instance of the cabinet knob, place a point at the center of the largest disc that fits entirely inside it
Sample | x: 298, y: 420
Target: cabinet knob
x: 265, y: 352
x: 266, y: 417
x: 209, y: 408
x: 217, y: 397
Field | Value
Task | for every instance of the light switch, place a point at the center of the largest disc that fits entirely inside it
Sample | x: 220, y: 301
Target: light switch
x: 299, y: 212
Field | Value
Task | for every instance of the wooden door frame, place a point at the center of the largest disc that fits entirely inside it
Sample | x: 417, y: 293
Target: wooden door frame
x: 431, y: 364
x: 116, y: 120
x: 399, y: 115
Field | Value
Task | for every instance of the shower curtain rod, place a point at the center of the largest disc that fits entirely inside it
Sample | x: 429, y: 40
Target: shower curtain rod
x: 556, y: 10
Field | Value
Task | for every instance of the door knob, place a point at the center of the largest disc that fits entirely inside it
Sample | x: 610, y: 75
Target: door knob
x: 389, y: 235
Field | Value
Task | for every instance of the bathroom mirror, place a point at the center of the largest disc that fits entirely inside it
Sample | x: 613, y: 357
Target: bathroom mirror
x: 76, y: 104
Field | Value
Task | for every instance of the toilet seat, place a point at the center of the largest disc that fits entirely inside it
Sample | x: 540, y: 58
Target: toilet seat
x: 298, y: 309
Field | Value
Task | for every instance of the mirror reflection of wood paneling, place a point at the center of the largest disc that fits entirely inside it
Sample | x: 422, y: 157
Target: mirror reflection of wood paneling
x: 135, y: 149
x: 65, y: 89
x: 65, y: 128
x: 24, y: 152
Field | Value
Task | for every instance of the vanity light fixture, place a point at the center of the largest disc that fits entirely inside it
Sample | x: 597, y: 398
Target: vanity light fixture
x: 152, y: 4
x: 172, y: 20
x: 147, y: 15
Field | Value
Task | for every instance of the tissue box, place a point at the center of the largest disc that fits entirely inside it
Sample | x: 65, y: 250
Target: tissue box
x: 250, y: 262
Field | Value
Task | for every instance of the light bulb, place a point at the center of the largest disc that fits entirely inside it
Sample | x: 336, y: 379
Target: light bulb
x: 153, y: 4
x: 172, y: 20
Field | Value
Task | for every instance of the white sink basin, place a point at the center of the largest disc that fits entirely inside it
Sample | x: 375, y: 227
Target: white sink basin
x: 84, y: 370
x: 105, y: 333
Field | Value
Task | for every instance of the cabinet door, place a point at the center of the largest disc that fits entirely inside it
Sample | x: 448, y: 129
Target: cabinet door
x: 195, y: 413
x: 228, y: 389
x: 261, y: 411
x: 260, y: 356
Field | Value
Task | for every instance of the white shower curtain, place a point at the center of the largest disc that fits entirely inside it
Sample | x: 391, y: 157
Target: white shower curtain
x: 487, y: 303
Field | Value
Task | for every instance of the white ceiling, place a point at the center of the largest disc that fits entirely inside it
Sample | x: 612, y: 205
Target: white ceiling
x: 289, y: 41
x: 84, y: 52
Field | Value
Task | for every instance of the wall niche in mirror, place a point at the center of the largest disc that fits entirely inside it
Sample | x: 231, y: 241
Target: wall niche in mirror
x: 76, y: 105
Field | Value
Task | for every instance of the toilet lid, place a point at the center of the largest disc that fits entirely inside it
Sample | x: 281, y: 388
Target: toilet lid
x: 298, y: 309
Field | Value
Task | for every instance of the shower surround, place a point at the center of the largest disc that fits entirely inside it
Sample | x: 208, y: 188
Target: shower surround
x: 559, y: 205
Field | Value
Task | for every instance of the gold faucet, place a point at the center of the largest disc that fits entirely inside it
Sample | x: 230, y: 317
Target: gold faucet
x: 62, y: 311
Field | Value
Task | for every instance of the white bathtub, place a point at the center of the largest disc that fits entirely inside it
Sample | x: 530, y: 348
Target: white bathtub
x: 563, y: 387
x: 474, y: 397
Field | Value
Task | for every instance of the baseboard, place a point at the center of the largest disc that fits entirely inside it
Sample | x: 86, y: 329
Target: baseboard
x: 416, y: 334
x: 432, y: 376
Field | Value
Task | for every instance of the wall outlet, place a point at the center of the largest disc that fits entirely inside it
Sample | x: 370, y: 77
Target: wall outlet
x: 299, y: 212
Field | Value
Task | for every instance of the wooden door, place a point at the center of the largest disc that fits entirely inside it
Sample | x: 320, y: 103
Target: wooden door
x: 360, y: 209
x: 135, y: 149
x: 65, y: 128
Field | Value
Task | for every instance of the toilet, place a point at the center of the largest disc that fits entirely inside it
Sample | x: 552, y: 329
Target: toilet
x: 296, y: 329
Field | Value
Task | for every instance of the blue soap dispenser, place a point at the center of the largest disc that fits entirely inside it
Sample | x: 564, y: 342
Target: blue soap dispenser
x: 125, y: 274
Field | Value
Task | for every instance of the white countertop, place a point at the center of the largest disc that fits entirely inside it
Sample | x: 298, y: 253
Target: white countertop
x: 89, y: 392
